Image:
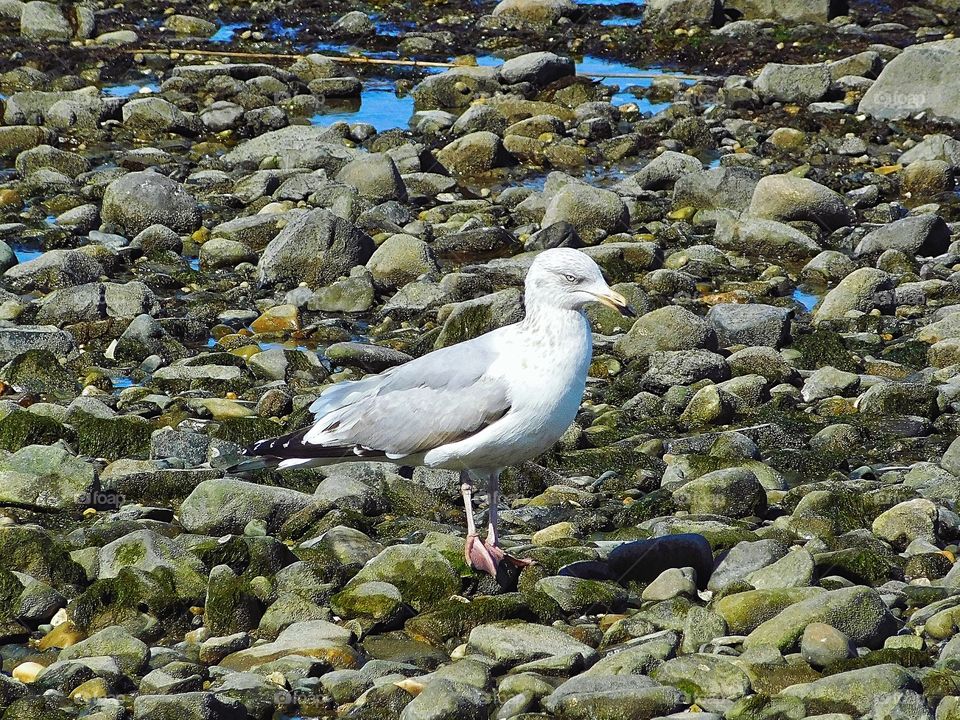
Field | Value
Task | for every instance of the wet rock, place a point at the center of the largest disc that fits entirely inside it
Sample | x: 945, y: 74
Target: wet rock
x: 734, y: 492
x: 447, y: 700
x: 422, y: 574
x: 46, y: 478
x: 54, y: 269
x: 354, y: 22
x: 750, y: 324
x: 315, y: 248
x: 665, y: 169
x: 862, y: 290
x: 802, y: 84
x: 513, y: 643
x: 399, y: 260
x: 787, y: 197
x: 853, y: 691
x: 666, y: 329
x: 317, y: 639
x: 474, y: 154
x: 615, y: 696
x: 190, y: 25
x: 823, y: 644
x: 227, y: 505
x: 857, y: 611
x: 799, y: 11
x: 717, y: 188
x: 471, y: 318
x: 187, y: 706
x: 152, y: 116
x: 704, y: 676
x: 130, y: 654
x: 535, y: 11
x: 47, y: 21
x: 589, y: 210
x: 683, y: 13
x: 141, y: 199
x: 763, y: 238
x: 828, y: 381
x: 925, y: 235
x: 223, y: 253
x: 458, y: 87
x: 375, y: 176
x: 539, y: 68
x: 934, y: 147
x: 911, y: 83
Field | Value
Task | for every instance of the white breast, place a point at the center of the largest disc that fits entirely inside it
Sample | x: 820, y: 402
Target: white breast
x: 546, y: 372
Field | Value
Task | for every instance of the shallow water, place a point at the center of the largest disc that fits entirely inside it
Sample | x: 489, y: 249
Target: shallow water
x: 130, y: 89
x: 806, y: 298
x: 621, y: 21
x: 25, y: 253
x: 378, y: 105
x: 226, y: 32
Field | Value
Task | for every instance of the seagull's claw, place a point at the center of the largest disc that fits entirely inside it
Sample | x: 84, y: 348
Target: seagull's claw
x: 486, y: 557
x: 479, y: 557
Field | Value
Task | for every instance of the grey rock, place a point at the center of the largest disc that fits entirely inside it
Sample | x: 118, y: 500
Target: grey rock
x: 796, y: 11
x: 912, y: 83
x: 354, y: 22
x: 316, y: 248
x: 513, y: 643
x: 665, y: 169
x: 401, y: 259
x: 54, y: 269
x: 665, y: 329
x: 375, y: 176
x: 589, y: 697
x: 138, y: 200
x: 15, y: 341
x: 683, y: 13
x: 853, y: 691
x: 925, y: 235
x: 446, y: 700
x: 823, y: 644
x: 683, y: 367
x: 588, y: 209
x: 787, y: 197
x: 536, y: 12
x: 226, y: 505
x: 934, y: 147
x: 744, y: 558
x: 766, y: 239
x: 456, y: 88
x: 862, y: 290
x: 474, y: 154
x: 187, y: 706
x: 44, y: 21
x: 539, y: 68
x: 803, y: 84
x: 750, y: 324
x: 717, y: 188
x: 828, y: 381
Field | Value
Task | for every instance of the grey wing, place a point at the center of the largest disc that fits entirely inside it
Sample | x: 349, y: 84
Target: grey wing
x: 436, y: 399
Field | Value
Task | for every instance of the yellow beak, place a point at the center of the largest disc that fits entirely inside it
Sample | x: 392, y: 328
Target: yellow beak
x: 616, y: 301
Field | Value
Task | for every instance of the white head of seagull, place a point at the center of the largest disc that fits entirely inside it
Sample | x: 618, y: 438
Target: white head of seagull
x: 568, y: 279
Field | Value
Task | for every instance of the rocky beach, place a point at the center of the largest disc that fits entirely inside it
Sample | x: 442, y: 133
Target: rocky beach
x: 211, y: 212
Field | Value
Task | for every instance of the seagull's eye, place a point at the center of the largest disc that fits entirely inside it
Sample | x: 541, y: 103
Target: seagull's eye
x: 570, y: 278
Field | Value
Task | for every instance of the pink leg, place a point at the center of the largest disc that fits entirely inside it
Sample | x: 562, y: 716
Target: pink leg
x: 492, y: 541
x: 476, y: 553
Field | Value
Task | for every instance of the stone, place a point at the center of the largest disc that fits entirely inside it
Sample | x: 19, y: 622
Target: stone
x: 401, y: 259
x: 138, y: 200
x: 187, y: 706
x: 925, y: 235
x: 422, y: 574
x: 793, y: 11
x: 130, y: 654
x: 750, y: 324
x: 856, y: 611
x: 822, y: 644
x: 671, y: 583
x: 44, y: 21
x: 534, y: 11
x: 589, y: 697
x: 666, y: 329
x: 704, y: 676
x: 46, y: 478
x: 665, y: 169
x: 854, y: 691
x: 474, y: 154
x: 913, y: 82
x: 908, y: 521
x: 448, y: 700
x: 539, y: 68
x: 861, y: 291
x: 802, y: 84
x: 222, y: 253
x: 788, y: 197
x: 588, y: 209
x: 316, y: 248
x: 718, y: 188
x: 734, y: 492
x: 767, y: 239
x: 672, y: 14
x: 375, y: 176
x: 513, y: 643
x: 318, y: 639
x: 221, y: 506
x: 52, y: 270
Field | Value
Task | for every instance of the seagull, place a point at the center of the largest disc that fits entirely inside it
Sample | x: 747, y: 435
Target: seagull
x: 476, y: 407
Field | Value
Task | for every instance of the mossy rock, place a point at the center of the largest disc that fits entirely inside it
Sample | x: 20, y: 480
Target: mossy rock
x: 744, y: 611
x: 938, y: 683
x: 10, y: 590
x: 904, y: 657
x: 247, y: 556
x: 763, y: 707
x: 113, y: 437
x: 861, y: 566
x: 231, y: 605
x: 315, y: 520
x: 823, y: 347
x: 405, y: 497
x: 421, y: 574
x: 40, y: 372
x: 455, y: 619
x: 596, y: 461
x: 145, y: 603
x: 37, y: 553
x: 244, y: 431
x: 22, y: 428
x: 912, y: 353
x: 34, y: 708
x: 653, y: 504
x: 376, y: 601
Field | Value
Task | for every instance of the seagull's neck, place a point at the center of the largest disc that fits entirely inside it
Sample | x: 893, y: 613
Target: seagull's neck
x: 549, y: 320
